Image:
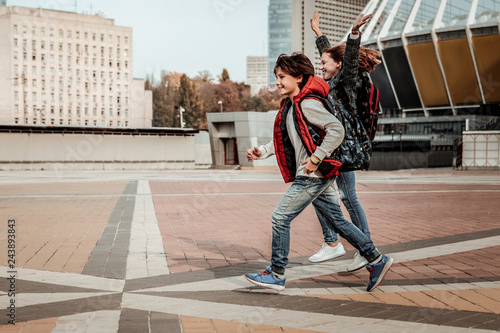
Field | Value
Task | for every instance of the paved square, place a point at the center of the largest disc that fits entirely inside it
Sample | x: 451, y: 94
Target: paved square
x: 166, y: 251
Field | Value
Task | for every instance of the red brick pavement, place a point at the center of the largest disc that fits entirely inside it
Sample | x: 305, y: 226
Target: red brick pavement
x: 219, y: 225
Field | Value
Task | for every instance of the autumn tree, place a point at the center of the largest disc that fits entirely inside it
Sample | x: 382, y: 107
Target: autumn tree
x: 224, y: 76
x: 189, y: 99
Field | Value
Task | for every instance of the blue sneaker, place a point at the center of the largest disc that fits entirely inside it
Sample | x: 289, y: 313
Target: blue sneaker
x: 377, y: 271
x: 267, y: 279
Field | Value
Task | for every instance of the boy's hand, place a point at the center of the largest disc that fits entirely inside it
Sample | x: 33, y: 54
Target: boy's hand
x: 315, y: 24
x: 310, y: 166
x: 253, y: 154
x: 360, y: 21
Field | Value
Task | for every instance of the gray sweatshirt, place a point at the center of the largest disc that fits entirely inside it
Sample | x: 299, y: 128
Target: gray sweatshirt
x: 318, y: 116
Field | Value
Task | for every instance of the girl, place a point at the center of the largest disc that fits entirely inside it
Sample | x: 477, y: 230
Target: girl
x: 309, y: 167
x: 344, y: 67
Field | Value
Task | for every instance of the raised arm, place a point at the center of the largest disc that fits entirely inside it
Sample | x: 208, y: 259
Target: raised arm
x: 351, y: 54
x: 322, y: 41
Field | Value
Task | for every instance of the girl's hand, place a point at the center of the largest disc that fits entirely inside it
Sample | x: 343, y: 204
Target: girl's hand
x: 360, y: 21
x: 315, y: 24
x: 253, y: 154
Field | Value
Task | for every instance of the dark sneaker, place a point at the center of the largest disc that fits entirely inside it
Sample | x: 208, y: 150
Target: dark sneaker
x: 377, y: 271
x: 267, y: 279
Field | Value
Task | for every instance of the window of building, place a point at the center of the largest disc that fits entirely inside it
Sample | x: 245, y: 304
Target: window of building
x: 61, y: 34
x: 15, y: 42
x: 68, y: 34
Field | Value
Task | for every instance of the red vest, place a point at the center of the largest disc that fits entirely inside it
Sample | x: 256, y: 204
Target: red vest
x: 285, y: 153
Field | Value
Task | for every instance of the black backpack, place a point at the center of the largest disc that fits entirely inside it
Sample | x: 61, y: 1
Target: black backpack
x: 355, y: 150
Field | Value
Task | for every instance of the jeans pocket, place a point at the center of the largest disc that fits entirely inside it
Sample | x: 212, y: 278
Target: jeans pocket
x: 315, y: 186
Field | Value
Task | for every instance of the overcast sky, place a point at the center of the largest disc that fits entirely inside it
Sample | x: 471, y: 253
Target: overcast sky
x: 186, y: 36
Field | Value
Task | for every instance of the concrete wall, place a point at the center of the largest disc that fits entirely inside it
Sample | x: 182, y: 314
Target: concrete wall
x: 250, y: 129
x: 203, y: 154
x: 36, y: 151
x: 481, y: 149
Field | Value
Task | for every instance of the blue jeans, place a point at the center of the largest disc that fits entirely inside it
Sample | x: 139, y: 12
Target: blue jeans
x: 319, y: 192
x: 346, y: 183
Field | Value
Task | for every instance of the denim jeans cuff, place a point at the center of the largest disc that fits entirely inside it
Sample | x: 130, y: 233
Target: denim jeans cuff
x: 278, y: 270
x: 372, y: 256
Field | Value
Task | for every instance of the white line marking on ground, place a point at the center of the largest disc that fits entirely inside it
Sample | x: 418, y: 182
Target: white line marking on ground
x: 146, y: 256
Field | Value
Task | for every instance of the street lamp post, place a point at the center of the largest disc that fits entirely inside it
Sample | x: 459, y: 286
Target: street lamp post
x: 221, y: 107
x: 181, y: 111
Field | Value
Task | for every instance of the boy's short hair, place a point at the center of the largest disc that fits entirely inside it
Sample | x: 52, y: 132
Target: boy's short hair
x: 295, y: 65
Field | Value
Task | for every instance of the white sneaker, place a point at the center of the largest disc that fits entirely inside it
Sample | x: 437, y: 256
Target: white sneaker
x: 327, y: 252
x: 358, y: 263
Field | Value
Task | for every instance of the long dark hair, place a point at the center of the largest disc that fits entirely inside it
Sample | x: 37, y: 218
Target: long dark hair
x: 368, y: 58
x: 295, y: 65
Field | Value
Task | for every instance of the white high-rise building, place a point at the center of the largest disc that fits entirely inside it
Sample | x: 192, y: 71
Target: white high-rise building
x: 290, y: 28
x: 63, y: 68
x: 256, y: 73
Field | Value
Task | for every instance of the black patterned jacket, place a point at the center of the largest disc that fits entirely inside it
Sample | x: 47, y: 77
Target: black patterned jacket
x: 343, y: 94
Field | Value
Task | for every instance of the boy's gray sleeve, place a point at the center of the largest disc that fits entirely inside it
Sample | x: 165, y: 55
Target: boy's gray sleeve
x: 266, y: 150
x: 317, y: 115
